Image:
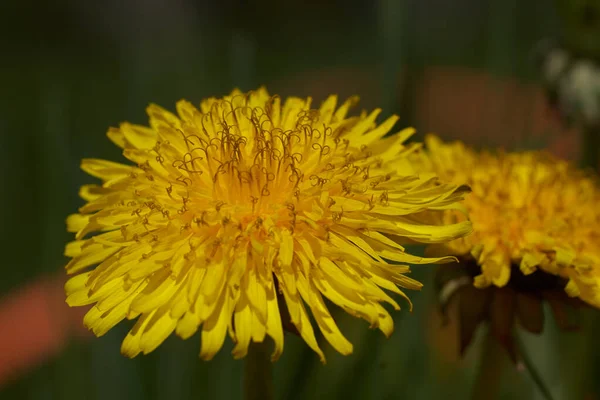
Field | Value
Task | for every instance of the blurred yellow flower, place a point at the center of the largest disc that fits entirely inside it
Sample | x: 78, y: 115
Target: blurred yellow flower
x: 529, y: 211
x: 243, y: 209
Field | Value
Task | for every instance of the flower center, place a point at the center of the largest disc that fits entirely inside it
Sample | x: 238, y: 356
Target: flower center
x: 251, y: 169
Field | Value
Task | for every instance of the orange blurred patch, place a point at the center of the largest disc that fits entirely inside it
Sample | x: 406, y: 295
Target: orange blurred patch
x: 35, y: 324
x: 483, y: 110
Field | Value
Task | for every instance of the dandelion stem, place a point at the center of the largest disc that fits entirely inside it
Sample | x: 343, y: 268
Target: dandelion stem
x: 487, y: 383
x: 258, y: 376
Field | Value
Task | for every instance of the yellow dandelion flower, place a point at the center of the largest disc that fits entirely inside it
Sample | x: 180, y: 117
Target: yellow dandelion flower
x: 244, y: 206
x: 528, y: 210
x: 535, y: 234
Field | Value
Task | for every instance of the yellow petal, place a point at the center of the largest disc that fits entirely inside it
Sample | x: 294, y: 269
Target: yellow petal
x: 341, y: 112
x: 76, y: 222
x: 324, y: 319
x: 92, y: 192
x: 215, y: 328
x: 117, y: 137
x: 74, y: 248
x: 286, y: 249
x: 274, y: 327
x: 101, y: 322
x: 160, y: 289
x: 379, y: 132
x: 497, y: 270
x: 91, y: 255
x: 80, y: 294
x: 106, y: 170
x: 139, y: 136
x: 385, y: 322
x: 572, y: 289
x: 161, y: 118
x: 359, y: 129
x: 300, y: 320
x: 530, y: 261
x: 131, y: 344
x: 187, y: 325
x: 327, y: 109
x: 257, y: 296
x: 243, y: 328
x: 213, y: 287
x: 159, y: 327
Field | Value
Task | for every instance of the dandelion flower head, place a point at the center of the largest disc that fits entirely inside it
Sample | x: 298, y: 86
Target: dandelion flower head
x: 529, y: 210
x: 244, y: 206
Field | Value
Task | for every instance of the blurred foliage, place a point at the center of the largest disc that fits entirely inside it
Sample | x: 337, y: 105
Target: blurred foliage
x: 581, y: 19
x: 70, y: 69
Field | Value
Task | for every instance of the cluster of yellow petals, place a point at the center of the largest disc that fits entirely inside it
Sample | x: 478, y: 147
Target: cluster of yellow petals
x: 528, y: 209
x: 244, y: 206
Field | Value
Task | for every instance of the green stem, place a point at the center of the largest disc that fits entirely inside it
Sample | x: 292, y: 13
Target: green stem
x: 491, y: 366
x: 533, y: 372
x: 258, y: 375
